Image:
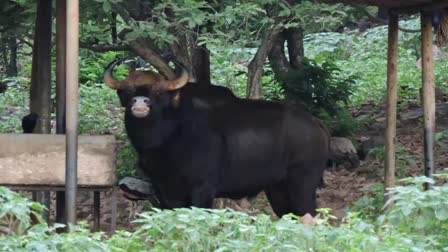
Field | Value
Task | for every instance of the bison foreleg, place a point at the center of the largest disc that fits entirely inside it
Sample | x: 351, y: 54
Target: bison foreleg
x: 202, y: 196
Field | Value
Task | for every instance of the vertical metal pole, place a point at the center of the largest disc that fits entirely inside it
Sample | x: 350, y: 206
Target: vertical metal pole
x: 429, y: 107
x: 61, y: 33
x: 391, y: 120
x: 72, y: 110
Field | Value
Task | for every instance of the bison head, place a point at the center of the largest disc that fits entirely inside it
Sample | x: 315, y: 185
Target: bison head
x: 143, y: 91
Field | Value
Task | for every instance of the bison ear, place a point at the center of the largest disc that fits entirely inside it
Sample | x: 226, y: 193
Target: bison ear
x: 123, y: 99
x: 175, y: 100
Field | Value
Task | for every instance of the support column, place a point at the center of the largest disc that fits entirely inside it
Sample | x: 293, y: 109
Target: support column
x: 61, y: 33
x: 72, y: 110
x: 40, y: 90
x: 391, y: 120
x: 429, y: 107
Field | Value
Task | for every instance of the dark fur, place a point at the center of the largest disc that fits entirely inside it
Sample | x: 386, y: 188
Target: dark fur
x: 29, y: 122
x: 208, y: 144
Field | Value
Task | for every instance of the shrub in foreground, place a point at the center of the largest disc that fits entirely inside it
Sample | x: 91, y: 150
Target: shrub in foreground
x: 417, y: 221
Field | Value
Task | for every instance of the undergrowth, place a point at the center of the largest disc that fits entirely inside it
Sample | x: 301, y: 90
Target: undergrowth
x: 415, y: 220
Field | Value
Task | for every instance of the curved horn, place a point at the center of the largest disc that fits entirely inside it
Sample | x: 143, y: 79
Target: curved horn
x: 109, y: 78
x: 179, y: 82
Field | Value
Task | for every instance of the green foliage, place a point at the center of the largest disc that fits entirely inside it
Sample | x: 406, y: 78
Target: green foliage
x: 319, y: 86
x: 365, y: 56
x: 91, y: 67
x: 370, y: 206
x: 341, y: 123
x: 416, y: 221
x: 16, y: 212
x: 126, y: 157
x: 99, y: 110
x: 420, y: 212
x: 403, y: 158
x: 442, y: 136
x: 324, y: 91
x: 16, y: 96
x: 229, y: 68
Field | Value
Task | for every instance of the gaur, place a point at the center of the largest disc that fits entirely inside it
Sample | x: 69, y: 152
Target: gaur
x: 197, y: 142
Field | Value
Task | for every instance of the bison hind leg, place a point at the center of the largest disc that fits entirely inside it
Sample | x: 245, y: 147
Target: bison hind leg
x: 278, y: 198
x: 303, y: 182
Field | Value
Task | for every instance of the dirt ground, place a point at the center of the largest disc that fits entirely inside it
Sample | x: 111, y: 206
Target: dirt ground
x: 342, y: 186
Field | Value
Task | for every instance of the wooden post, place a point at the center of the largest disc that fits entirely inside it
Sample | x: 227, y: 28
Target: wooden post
x: 429, y: 108
x: 40, y: 90
x: 61, y: 33
x: 72, y: 94
x: 391, y: 120
x: 96, y: 210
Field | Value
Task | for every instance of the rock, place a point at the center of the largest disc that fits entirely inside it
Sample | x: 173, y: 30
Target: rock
x: 343, y: 151
x: 308, y: 220
x: 11, y: 109
x: 138, y: 189
x: 244, y: 203
x: 412, y: 114
x: 370, y: 143
x: 380, y: 119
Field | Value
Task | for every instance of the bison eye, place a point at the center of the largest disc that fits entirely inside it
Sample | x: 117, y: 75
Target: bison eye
x: 146, y: 100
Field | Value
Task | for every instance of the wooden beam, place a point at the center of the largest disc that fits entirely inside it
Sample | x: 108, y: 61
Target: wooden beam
x: 429, y: 108
x: 391, y: 120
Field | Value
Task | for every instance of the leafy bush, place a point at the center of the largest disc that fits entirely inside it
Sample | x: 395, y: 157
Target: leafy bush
x: 403, y: 158
x: 341, y: 123
x: 419, y: 212
x: 229, y: 69
x: 370, y: 206
x: 365, y: 55
x: 416, y: 220
x: 15, y: 96
x: 16, y: 212
x: 91, y: 66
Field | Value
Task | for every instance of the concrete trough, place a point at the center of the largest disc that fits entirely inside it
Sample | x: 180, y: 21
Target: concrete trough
x: 39, y: 160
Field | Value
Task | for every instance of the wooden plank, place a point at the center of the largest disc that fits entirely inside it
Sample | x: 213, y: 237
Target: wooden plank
x: 39, y: 159
x: 429, y: 107
x: 391, y: 119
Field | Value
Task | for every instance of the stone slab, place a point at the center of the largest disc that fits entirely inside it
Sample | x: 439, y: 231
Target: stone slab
x: 39, y: 160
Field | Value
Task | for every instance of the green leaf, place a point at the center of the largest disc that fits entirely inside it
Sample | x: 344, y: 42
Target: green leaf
x: 106, y: 6
x: 441, y: 212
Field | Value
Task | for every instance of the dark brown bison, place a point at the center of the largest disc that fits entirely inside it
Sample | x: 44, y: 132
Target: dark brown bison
x: 197, y: 142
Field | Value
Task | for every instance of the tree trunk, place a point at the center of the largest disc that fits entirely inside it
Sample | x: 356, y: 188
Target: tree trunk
x: 294, y: 38
x: 200, y: 64
x: 287, y: 72
x: 11, y: 69
x: 255, y: 68
x: 40, y: 91
x: 113, y: 28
